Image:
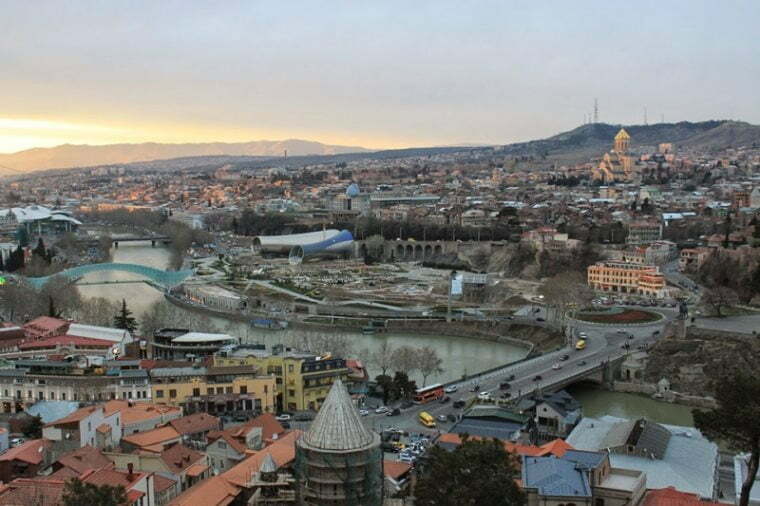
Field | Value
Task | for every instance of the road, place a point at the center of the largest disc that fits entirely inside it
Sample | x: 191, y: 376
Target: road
x: 603, y: 344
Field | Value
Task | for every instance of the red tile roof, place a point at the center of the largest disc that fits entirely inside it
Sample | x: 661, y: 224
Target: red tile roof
x: 161, y: 483
x: 83, y: 459
x: 198, y: 422
x: 27, y: 491
x: 162, y: 436
x: 283, y: 452
x: 215, y: 491
x: 75, y: 417
x: 113, y: 477
x: 48, y: 342
x: 672, y: 497
x: 394, y: 469
x: 32, y: 452
x: 178, y: 458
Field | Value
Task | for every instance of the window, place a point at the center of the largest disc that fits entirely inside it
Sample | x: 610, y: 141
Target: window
x: 29, y: 394
x: 117, y: 421
x: 292, y: 393
x: 6, y: 393
x: 196, y: 392
x: 52, y: 396
x: 266, y: 389
x: 290, y: 367
x: 172, y: 394
x: 63, y: 396
x: 222, y: 445
x: 219, y: 390
x: 243, y: 389
x: 228, y: 390
x: 210, y: 391
x: 159, y: 394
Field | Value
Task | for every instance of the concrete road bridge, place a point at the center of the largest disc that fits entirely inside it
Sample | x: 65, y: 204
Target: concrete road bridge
x: 164, y: 279
x: 412, y: 250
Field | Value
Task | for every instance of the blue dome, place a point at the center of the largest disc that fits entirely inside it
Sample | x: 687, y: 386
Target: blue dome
x: 352, y: 190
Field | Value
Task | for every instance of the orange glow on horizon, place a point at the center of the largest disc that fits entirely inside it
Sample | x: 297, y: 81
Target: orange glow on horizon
x: 18, y: 134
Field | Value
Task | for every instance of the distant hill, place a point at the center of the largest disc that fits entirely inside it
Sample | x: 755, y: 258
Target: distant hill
x: 69, y: 155
x: 704, y: 136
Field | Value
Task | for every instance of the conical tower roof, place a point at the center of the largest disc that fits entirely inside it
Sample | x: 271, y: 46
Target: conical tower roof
x: 622, y: 134
x: 268, y: 465
x: 337, y: 426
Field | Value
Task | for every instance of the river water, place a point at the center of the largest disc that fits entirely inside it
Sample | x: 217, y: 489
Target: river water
x: 460, y: 355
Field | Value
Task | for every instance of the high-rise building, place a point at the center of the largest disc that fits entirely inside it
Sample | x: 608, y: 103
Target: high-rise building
x: 339, y: 461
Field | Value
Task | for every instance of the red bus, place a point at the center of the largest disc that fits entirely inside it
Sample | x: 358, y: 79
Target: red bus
x: 427, y: 394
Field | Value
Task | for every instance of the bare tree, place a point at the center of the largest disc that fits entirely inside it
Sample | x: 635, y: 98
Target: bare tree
x: 96, y: 311
x: 720, y: 297
x: 164, y: 314
x: 428, y: 362
x: 404, y: 359
x: 321, y: 342
x: 382, y: 357
x: 563, y: 292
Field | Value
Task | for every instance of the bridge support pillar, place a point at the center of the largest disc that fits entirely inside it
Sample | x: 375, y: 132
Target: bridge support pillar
x: 152, y: 244
x: 116, y: 244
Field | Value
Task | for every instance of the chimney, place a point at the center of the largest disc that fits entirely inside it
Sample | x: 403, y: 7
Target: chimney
x: 130, y: 470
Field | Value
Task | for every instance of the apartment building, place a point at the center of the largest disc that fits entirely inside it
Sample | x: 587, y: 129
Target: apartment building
x: 625, y: 277
x: 233, y: 390
x: 302, y: 379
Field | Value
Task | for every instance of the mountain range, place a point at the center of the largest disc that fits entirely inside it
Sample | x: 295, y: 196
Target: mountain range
x: 70, y: 155
x: 574, y: 145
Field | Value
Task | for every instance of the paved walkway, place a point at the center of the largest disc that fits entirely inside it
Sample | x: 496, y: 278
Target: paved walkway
x: 745, y: 324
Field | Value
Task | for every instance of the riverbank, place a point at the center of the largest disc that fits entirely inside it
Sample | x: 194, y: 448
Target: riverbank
x: 534, y: 339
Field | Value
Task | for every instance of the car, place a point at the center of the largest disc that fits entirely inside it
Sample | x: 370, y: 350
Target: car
x: 445, y: 399
x: 484, y: 396
x: 582, y: 362
x: 582, y: 335
x: 441, y: 418
x: 656, y: 333
x: 406, y: 457
x: 395, y: 412
x: 557, y: 366
x: 283, y: 417
x: 504, y: 385
x: 382, y: 410
x: 450, y: 389
x: 17, y: 441
x: 452, y: 417
x: 564, y: 357
x: 540, y: 320
x: 505, y: 395
x: 363, y: 412
x: 459, y: 404
x: 475, y: 388
x: 537, y: 377
x: 511, y: 377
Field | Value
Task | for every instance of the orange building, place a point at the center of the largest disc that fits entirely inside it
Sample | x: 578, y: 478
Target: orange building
x: 625, y: 277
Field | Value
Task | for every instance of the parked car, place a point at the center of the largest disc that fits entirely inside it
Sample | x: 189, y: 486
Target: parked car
x: 450, y: 389
x: 283, y: 417
x: 459, y: 404
x: 505, y: 395
x: 564, y: 357
x: 475, y: 388
x: 511, y: 377
x: 395, y: 412
x: 537, y: 377
x: 445, y: 399
x: 582, y: 362
x: 382, y: 410
x: 285, y: 425
x: 557, y: 366
x: 504, y: 385
x: 484, y: 396
x: 441, y: 418
x: 363, y: 412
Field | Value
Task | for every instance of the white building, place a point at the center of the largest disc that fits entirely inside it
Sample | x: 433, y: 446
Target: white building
x: 86, y: 426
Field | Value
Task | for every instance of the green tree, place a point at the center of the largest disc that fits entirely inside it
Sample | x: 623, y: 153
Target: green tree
x: 386, y: 383
x: 403, y: 387
x: 476, y: 472
x: 40, y: 250
x: 33, y: 427
x: 124, y: 319
x: 735, y: 422
x: 76, y: 493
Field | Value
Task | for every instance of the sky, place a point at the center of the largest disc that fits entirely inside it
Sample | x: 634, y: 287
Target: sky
x: 381, y: 74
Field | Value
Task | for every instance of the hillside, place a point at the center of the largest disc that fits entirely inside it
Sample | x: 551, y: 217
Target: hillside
x: 69, y: 155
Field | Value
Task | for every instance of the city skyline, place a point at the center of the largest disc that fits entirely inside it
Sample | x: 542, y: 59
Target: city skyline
x: 377, y: 76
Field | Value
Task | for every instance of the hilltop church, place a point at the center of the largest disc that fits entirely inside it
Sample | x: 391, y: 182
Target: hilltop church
x: 616, y: 166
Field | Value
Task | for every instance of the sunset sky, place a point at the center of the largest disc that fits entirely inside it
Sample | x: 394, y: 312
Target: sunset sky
x: 376, y: 74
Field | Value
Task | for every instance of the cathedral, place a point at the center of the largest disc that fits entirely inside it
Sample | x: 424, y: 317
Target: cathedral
x: 616, y: 166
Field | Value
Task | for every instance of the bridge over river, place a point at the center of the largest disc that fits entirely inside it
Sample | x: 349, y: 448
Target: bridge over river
x: 156, y: 277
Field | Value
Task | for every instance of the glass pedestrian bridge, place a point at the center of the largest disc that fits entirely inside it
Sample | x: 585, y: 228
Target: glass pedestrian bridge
x: 166, y: 279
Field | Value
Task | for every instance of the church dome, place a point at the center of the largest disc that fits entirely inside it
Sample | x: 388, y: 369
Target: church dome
x: 352, y: 190
x: 622, y: 135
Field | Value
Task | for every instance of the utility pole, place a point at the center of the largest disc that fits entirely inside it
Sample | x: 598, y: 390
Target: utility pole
x: 596, y: 111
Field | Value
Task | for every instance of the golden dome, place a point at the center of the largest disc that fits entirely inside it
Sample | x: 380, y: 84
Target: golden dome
x: 622, y: 134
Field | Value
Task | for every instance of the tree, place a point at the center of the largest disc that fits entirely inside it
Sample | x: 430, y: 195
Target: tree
x: 403, y: 387
x: 720, y: 297
x: 734, y: 422
x: 428, y: 362
x: 39, y: 250
x: 478, y: 472
x: 386, y: 383
x: 124, y: 319
x: 562, y: 292
x: 76, y: 493
x: 404, y: 358
x: 382, y: 357
x: 32, y: 428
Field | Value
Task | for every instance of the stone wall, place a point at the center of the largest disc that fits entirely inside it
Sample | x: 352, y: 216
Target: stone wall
x: 667, y: 396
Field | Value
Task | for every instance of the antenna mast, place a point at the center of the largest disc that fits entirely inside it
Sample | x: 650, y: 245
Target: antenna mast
x: 596, y: 111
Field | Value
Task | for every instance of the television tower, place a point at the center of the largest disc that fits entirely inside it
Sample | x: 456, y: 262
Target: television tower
x: 596, y: 111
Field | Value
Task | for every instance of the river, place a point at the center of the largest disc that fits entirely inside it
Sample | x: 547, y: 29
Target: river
x: 460, y: 355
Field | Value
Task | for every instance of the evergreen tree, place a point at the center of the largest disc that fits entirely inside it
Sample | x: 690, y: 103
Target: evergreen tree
x: 39, y: 250
x: 124, y: 319
x: 734, y: 422
x: 76, y: 493
x: 2, y: 264
x: 476, y: 472
x: 53, y: 312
